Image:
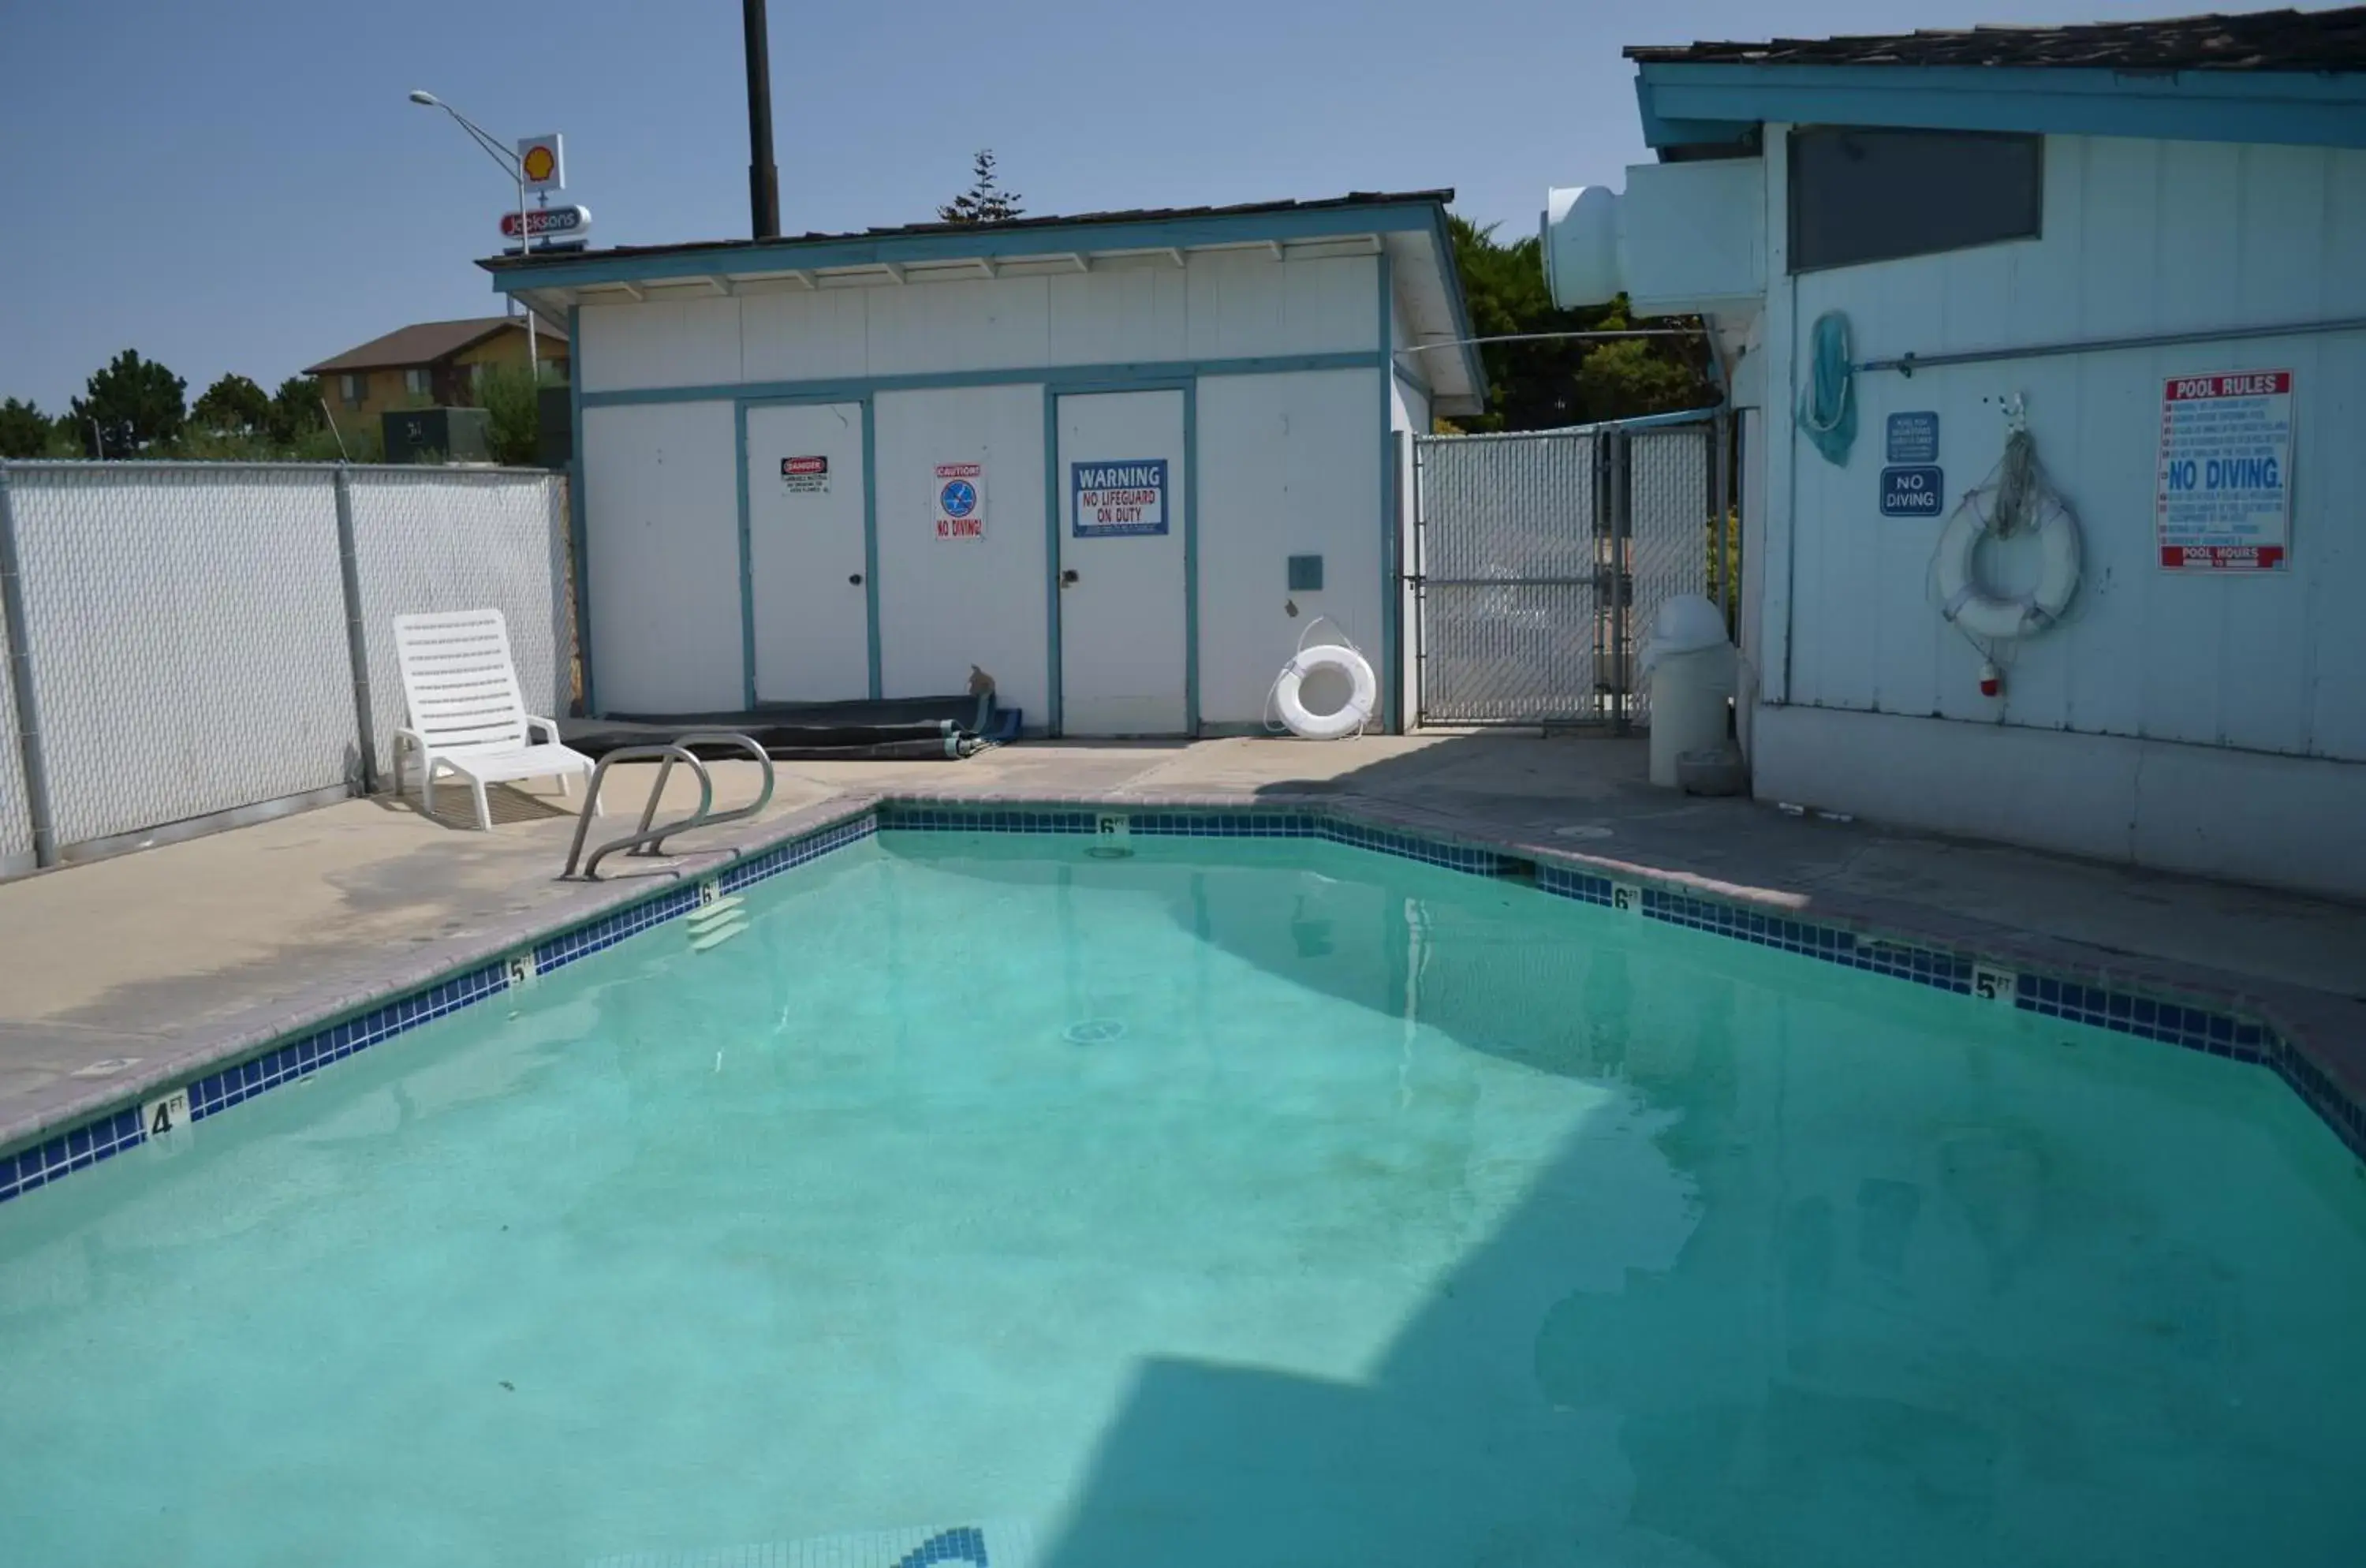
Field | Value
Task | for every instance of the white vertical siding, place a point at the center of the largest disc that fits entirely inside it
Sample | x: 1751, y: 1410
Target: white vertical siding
x: 804, y: 334
x: 987, y: 325
x: 2139, y: 237
x: 660, y: 343
x: 1224, y: 304
x: 944, y: 606
x: 661, y: 519
x: 1118, y: 315
x: 1288, y: 465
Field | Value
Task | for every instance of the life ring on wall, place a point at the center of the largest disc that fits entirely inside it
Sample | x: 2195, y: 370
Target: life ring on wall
x: 1993, y: 615
x: 1308, y: 725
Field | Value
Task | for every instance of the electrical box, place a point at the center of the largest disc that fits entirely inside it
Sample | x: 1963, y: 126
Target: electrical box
x: 1305, y: 574
x: 436, y: 435
x: 553, y: 443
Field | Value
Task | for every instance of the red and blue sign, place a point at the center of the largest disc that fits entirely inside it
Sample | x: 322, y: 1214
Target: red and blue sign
x: 1118, y: 498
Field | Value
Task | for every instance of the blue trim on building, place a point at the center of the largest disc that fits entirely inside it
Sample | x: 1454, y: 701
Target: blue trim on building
x: 1051, y: 554
x: 871, y: 540
x: 1052, y: 491
x: 1474, y: 365
x: 1060, y: 377
x: 578, y: 528
x: 976, y: 243
x: 1690, y: 103
x: 747, y: 561
x: 870, y: 528
x: 1390, y: 681
x: 1191, y: 557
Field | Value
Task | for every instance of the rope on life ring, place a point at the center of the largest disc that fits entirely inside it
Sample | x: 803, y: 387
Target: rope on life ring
x: 2019, y: 497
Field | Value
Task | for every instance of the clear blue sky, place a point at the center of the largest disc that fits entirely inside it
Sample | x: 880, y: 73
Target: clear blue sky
x: 242, y: 186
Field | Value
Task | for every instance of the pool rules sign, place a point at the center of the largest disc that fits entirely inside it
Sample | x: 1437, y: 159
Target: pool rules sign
x: 2223, y: 498
x: 957, y: 495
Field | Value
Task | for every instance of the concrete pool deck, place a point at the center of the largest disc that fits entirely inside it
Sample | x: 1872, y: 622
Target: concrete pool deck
x: 136, y: 971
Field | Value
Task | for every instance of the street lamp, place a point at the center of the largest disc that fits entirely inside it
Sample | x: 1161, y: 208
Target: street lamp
x: 512, y: 166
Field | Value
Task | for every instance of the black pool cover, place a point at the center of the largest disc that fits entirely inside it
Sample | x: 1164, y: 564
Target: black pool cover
x: 907, y: 728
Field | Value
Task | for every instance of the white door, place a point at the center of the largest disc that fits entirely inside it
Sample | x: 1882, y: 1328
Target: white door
x: 805, y: 563
x: 1123, y: 639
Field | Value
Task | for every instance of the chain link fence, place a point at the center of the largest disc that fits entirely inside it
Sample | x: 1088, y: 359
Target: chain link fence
x: 428, y: 539
x: 1540, y: 554
x: 201, y: 638
x: 15, y: 812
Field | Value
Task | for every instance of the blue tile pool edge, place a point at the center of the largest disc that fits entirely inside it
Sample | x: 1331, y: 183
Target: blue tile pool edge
x: 2214, y: 1031
x: 51, y: 1156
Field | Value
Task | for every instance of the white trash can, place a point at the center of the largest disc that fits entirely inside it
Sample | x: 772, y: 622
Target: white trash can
x: 1692, y: 669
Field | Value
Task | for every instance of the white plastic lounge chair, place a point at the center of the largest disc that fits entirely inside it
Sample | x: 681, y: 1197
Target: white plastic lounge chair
x: 467, y: 714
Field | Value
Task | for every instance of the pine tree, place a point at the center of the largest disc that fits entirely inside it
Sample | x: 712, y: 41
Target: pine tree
x: 985, y: 201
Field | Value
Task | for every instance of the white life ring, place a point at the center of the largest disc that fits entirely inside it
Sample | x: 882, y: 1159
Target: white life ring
x: 1305, y: 723
x: 1994, y: 617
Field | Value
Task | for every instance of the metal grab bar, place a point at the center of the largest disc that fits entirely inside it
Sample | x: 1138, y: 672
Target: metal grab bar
x: 702, y: 817
x: 646, y: 839
x: 591, y: 799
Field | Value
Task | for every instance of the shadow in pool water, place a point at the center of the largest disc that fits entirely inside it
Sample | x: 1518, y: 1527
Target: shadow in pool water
x: 1819, y: 1287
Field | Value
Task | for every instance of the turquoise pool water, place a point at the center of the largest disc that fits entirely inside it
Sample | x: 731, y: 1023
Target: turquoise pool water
x: 1234, y: 1204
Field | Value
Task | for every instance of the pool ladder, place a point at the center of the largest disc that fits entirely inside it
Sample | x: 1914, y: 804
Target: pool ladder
x: 647, y: 840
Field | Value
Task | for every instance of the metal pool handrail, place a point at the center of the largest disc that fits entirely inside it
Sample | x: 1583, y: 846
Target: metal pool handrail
x: 646, y: 839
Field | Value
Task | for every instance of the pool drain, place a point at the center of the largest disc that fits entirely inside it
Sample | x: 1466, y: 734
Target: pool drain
x: 1094, y: 1032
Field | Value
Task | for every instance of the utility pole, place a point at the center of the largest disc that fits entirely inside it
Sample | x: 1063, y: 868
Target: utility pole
x: 763, y: 179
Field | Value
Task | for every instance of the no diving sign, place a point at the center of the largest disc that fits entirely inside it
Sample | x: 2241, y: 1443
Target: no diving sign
x: 1119, y: 497
x: 957, y: 494
x: 1917, y: 492
x: 2224, y: 497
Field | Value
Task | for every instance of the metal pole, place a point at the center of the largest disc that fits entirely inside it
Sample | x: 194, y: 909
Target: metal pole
x: 1718, y: 455
x: 1622, y: 581
x: 763, y: 180
x: 526, y: 248
x: 20, y: 683
x: 356, y: 641
x: 1420, y: 593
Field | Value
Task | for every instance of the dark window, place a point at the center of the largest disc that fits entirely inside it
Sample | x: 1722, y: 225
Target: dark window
x: 1862, y: 196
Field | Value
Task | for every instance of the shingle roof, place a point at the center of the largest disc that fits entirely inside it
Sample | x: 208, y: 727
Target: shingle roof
x: 422, y: 343
x: 2260, y: 40
x: 1134, y: 215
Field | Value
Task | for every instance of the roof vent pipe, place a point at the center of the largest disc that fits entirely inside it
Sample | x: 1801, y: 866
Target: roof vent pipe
x: 763, y: 180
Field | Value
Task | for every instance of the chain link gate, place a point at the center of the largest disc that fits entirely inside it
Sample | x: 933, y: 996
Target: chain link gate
x: 1537, y: 556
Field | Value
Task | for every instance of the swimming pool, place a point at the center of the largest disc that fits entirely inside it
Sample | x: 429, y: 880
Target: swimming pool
x: 1233, y: 1202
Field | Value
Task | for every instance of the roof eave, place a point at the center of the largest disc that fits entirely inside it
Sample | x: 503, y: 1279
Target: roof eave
x: 1695, y: 103
x: 512, y: 274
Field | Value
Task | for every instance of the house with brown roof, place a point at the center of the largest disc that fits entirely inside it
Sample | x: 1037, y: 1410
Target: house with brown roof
x: 433, y: 363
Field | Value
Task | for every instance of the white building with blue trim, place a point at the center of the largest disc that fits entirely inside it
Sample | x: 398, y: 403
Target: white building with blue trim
x: 2145, y: 245
x: 1117, y: 462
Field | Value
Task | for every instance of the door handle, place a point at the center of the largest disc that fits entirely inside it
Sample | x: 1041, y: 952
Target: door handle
x: 855, y: 578
x: 1068, y: 578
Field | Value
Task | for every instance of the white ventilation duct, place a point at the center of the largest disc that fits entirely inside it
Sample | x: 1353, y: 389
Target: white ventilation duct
x: 1580, y: 245
x: 1685, y: 239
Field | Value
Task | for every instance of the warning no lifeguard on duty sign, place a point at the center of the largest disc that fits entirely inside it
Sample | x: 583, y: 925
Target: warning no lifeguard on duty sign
x: 1119, y: 498
x: 2223, y: 502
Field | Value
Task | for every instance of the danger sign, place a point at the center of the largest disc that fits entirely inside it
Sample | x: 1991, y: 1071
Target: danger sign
x: 806, y: 476
x: 1119, y: 497
x: 2223, y: 498
x: 957, y: 495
